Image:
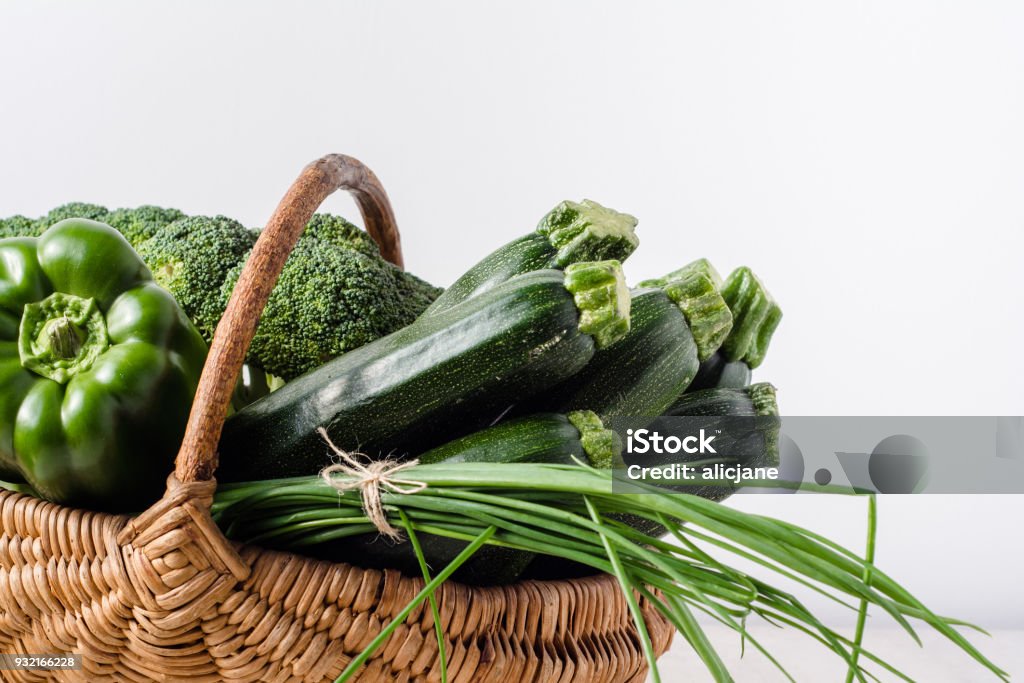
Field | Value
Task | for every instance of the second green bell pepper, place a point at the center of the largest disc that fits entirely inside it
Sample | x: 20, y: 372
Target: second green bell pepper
x: 98, y: 368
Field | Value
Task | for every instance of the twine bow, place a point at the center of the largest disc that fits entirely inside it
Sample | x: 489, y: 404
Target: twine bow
x: 369, y: 479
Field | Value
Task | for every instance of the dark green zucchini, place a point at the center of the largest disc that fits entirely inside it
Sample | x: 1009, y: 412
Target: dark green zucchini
x: 746, y: 427
x: 570, y: 233
x: 748, y: 421
x: 756, y: 400
x: 671, y: 325
x: 443, y: 376
x: 717, y: 372
x: 545, y: 437
x: 750, y: 436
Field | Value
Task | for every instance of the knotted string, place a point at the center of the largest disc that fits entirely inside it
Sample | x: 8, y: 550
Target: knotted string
x: 369, y: 479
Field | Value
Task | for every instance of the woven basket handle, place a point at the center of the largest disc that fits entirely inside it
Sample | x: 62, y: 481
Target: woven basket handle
x: 197, y: 458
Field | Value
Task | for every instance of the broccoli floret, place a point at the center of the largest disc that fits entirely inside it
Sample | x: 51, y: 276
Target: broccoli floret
x: 192, y: 257
x: 18, y: 226
x: 339, y: 232
x: 415, y: 293
x: 93, y: 212
x: 138, y: 225
x: 330, y: 300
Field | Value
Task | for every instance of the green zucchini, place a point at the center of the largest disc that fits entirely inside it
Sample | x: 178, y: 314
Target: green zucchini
x: 671, y: 326
x: 443, y: 376
x: 572, y: 232
x: 756, y: 400
x: 749, y: 423
x: 748, y: 420
x: 717, y: 372
x: 750, y: 434
x: 545, y: 437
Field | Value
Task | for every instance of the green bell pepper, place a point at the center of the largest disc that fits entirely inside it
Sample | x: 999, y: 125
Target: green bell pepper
x: 98, y: 368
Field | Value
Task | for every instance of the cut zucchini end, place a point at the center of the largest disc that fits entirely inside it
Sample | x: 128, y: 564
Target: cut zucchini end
x: 755, y: 317
x: 764, y: 336
x: 706, y: 312
x: 602, y: 298
x: 602, y: 446
x: 587, y: 231
x: 762, y: 395
x: 701, y: 266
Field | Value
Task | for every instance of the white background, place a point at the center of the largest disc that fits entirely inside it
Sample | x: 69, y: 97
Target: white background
x: 866, y: 159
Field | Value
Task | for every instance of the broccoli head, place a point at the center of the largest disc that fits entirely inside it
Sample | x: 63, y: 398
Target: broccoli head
x: 330, y: 300
x: 138, y: 225
x: 93, y: 212
x: 18, y: 226
x: 339, y: 232
x: 192, y: 257
x: 414, y: 293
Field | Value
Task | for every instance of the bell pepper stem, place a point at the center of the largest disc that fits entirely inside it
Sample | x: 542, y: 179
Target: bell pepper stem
x: 63, y: 337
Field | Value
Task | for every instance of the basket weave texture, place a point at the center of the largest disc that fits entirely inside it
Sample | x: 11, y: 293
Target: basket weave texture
x: 165, y: 597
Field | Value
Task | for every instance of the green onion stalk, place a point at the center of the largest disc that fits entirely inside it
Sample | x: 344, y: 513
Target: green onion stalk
x: 569, y: 511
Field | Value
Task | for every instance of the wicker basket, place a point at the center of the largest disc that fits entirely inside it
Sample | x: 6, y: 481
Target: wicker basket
x: 165, y: 597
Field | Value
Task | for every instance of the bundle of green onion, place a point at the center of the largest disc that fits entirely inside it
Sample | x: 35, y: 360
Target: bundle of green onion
x: 566, y: 511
